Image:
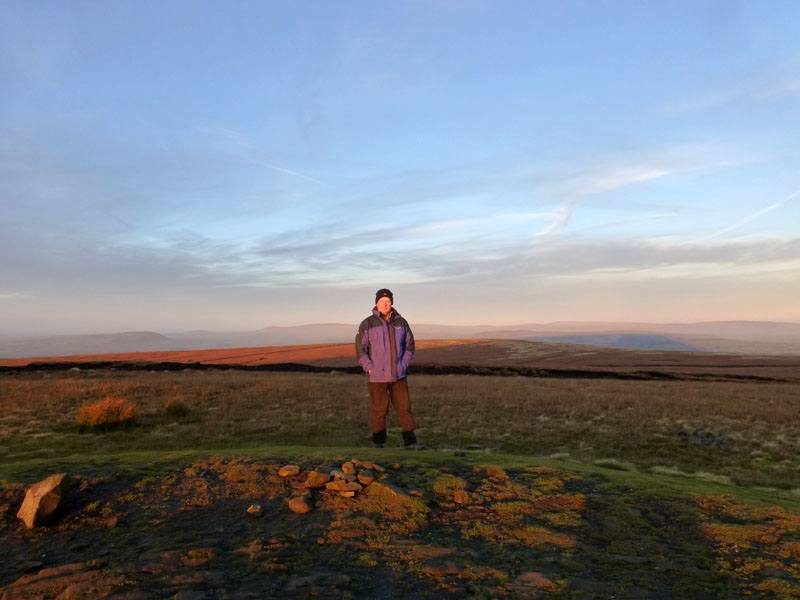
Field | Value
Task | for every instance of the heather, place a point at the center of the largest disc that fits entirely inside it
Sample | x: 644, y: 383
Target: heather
x: 741, y: 432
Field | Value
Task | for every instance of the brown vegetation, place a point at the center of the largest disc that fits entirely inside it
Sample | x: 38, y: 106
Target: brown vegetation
x: 747, y: 432
x: 228, y: 356
x: 106, y: 413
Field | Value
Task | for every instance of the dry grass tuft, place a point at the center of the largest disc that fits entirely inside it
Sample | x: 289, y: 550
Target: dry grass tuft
x: 106, y: 413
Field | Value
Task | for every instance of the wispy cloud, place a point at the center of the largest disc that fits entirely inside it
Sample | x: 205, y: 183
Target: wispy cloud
x: 780, y: 81
x: 248, y: 151
x: 756, y: 215
x: 596, y: 181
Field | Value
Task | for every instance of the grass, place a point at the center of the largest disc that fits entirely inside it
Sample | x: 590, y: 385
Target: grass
x: 624, y: 425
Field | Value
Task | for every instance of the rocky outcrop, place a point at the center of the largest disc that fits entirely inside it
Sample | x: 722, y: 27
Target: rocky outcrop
x: 348, y: 480
x: 44, y: 500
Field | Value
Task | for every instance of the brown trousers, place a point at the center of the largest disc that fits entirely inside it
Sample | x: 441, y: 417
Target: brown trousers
x: 380, y: 394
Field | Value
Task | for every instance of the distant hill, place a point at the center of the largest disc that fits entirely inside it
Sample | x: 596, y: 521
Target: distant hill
x: 739, y: 337
x: 128, y: 341
x: 639, y: 341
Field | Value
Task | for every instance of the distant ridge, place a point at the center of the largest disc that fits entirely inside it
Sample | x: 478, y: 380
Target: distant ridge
x: 126, y: 341
x: 740, y: 337
x: 641, y: 341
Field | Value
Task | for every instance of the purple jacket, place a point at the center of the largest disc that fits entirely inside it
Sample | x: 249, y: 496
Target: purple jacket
x: 385, y: 349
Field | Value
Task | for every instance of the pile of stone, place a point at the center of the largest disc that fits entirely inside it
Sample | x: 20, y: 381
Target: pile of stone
x: 348, y: 480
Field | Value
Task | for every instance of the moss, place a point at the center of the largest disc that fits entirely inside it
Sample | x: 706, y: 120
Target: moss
x: 447, y: 484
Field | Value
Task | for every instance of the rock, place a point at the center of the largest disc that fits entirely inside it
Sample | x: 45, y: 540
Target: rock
x: 349, y: 468
x: 317, y: 480
x: 254, y: 510
x: 340, y: 485
x: 78, y: 580
x: 300, y: 504
x: 337, y: 485
x: 536, y: 580
x: 366, y: 477
x: 43, y: 500
x: 460, y: 497
x: 702, y: 437
x: 380, y: 486
x: 365, y: 464
x: 289, y: 470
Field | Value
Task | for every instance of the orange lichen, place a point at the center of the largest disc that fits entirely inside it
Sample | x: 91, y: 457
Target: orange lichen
x: 492, y: 471
x: 447, y: 484
x: 753, y: 542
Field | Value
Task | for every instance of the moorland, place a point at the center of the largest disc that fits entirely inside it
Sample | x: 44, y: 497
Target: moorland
x: 552, y: 470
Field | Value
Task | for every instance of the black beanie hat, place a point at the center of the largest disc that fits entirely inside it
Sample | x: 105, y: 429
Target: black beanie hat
x: 383, y: 293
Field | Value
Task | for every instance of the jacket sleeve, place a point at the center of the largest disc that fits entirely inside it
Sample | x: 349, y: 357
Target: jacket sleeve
x: 362, y: 347
x: 408, y: 355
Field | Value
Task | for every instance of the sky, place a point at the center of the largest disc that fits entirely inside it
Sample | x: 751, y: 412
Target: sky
x: 185, y: 165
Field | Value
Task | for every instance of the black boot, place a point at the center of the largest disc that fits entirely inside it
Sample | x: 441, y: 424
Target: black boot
x: 409, y: 439
x: 379, y: 438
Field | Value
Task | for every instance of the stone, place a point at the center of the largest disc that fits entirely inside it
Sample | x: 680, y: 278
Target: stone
x: 78, y: 580
x: 366, y: 477
x: 340, y: 485
x: 536, y: 580
x: 317, y: 480
x: 43, y: 500
x: 254, y: 510
x: 289, y: 470
x: 392, y: 490
x: 460, y: 497
x: 348, y: 468
x: 300, y: 504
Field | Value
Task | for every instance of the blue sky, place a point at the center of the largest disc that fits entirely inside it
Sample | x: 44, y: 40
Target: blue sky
x: 226, y: 166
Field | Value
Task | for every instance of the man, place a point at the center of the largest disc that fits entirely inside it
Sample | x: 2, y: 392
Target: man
x: 385, y: 347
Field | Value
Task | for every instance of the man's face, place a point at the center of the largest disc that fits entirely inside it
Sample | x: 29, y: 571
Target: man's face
x: 384, y: 305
